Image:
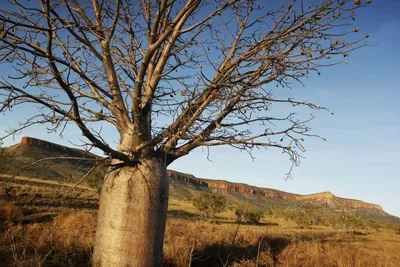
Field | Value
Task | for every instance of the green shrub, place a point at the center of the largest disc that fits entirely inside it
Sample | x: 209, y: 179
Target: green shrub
x: 373, y: 224
x: 304, y: 215
x: 248, y: 214
x: 209, y: 205
x: 303, y: 219
x: 351, y: 221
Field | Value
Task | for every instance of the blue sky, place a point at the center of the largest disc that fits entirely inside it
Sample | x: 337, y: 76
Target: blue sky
x: 361, y: 156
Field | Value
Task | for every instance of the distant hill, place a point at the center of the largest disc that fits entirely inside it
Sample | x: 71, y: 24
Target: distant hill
x: 186, y: 186
x: 76, y: 164
x: 62, y: 163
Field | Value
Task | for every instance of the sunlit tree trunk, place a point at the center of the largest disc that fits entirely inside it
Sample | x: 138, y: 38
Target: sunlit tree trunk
x: 132, y: 216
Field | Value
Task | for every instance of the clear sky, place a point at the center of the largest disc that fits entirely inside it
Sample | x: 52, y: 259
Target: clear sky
x: 361, y: 156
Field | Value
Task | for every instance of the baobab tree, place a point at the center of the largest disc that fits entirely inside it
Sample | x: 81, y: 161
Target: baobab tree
x: 170, y: 76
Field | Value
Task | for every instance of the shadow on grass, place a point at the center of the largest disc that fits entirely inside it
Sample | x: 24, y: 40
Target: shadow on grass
x: 225, y: 254
x: 38, y: 218
x: 253, y: 224
x: 75, y: 204
x: 357, y: 233
x: 218, y: 254
x: 45, y: 257
x: 181, y: 214
x: 72, y: 257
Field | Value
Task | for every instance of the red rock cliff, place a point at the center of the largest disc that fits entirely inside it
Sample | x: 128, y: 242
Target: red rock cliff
x: 72, y: 152
x: 42, y: 144
x: 269, y: 193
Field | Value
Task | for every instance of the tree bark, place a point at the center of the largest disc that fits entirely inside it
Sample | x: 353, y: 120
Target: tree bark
x: 132, y: 216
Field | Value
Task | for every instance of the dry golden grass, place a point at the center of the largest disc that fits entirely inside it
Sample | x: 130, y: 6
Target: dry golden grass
x: 217, y: 245
x: 23, y: 179
x: 67, y: 240
x: 61, y: 236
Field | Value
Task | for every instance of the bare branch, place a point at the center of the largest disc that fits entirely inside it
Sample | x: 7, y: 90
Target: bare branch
x: 173, y: 76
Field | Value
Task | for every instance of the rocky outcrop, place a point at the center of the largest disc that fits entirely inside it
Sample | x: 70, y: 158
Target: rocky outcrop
x: 270, y: 193
x: 358, y: 204
x: 49, y: 146
x: 43, y: 144
x: 186, y: 178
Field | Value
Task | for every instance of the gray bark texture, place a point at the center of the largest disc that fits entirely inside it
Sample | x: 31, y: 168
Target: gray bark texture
x: 132, y: 216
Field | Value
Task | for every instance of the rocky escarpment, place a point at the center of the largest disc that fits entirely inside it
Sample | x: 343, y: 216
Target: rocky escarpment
x: 31, y: 149
x: 269, y: 193
x: 49, y: 146
x: 45, y: 148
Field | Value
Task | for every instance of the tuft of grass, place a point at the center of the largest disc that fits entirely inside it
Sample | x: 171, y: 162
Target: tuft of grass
x: 9, y: 214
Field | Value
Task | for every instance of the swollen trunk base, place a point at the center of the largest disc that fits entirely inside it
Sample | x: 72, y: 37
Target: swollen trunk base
x: 132, y: 216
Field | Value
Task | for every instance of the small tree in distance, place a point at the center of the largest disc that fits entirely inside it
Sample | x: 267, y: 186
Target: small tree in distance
x: 210, y: 205
x: 305, y: 215
x: 249, y: 214
x: 169, y: 76
x: 351, y: 221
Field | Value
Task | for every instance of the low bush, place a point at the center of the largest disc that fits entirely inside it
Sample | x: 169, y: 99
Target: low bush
x: 209, y: 205
x: 248, y: 214
x: 351, y: 221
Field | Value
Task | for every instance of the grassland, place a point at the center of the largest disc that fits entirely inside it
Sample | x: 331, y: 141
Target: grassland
x: 48, y: 224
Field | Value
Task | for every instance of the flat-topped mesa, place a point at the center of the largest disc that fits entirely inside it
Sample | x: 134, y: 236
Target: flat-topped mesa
x: 269, y: 193
x: 42, y: 144
x: 186, y: 178
x: 67, y: 151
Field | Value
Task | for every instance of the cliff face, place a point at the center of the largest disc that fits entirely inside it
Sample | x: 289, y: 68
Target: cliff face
x: 186, y: 178
x: 43, y: 144
x: 269, y: 193
x: 71, y: 152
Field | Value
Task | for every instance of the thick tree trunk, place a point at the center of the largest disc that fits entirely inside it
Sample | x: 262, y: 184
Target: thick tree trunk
x: 132, y: 216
